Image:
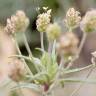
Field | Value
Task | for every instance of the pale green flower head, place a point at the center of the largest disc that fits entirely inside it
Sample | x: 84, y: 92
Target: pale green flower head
x: 72, y: 19
x: 22, y: 21
x: 53, y: 31
x: 17, y: 23
x: 88, y: 23
x: 43, y: 20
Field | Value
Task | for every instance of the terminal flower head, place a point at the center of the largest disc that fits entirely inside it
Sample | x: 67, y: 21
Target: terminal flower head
x: 43, y: 20
x: 73, y: 18
x: 53, y: 31
x: 88, y: 23
x: 68, y: 44
x: 17, y: 23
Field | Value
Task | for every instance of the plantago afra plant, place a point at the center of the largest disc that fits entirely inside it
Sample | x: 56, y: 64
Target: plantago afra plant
x: 46, y: 72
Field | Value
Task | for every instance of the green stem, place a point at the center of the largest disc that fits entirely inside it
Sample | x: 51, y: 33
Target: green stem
x: 42, y: 41
x: 50, y: 47
x: 19, y: 52
x: 82, y: 43
x: 27, y: 45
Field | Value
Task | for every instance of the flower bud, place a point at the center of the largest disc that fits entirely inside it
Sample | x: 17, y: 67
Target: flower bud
x: 88, y: 23
x: 73, y: 18
x: 68, y: 44
x: 16, y: 70
x: 53, y: 31
x: 17, y: 23
x: 43, y: 20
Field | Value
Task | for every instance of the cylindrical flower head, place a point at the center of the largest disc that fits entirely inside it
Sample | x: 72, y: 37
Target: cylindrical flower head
x: 68, y: 44
x: 88, y: 23
x: 73, y: 18
x: 53, y: 31
x: 17, y: 23
x: 43, y: 20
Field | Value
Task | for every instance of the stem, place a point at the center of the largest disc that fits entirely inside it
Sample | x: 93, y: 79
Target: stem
x: 50, y: 47
x: 78, y: 88
x: 29, y: 50
x: 82, y: 43
x: 27, y: 45
x: 42, y: 41
x: 19, y: 52
x: 78, y: 52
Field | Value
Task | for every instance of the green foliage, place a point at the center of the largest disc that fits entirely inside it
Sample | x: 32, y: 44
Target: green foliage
x: 34, y: 87
x: 50, y: 65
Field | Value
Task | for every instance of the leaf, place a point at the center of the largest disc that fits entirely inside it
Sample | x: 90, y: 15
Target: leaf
x: 32, y: 86
x: 52, y: 70
x: 54, y: 55
x: 40, y: 49
x: 77, y: 69
x: 38, y: 63
x: 50, y: 64
x: 32, y: 67
x: 20, y: 56
x: 45, y: 59
x: 75, y: 80
x: 40, y: 77
x: 53, y: 67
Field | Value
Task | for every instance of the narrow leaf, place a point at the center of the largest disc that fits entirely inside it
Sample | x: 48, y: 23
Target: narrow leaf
x: 75, y: 80
x: 34, y: 87
x: 77, y: 69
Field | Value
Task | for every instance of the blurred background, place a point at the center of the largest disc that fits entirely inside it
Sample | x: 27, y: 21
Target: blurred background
x: 59, y: 8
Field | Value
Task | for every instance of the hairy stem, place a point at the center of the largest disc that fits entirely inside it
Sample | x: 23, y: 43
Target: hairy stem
x: 19, y: 52
x: 50, y: 47
x: 42, y: 40
x: 27, y: 45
